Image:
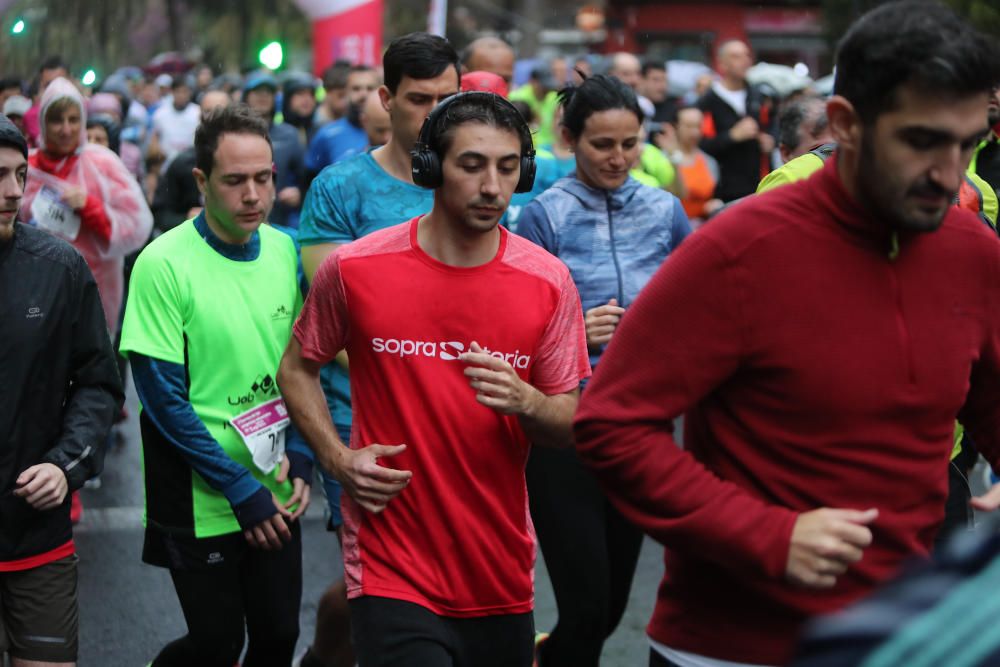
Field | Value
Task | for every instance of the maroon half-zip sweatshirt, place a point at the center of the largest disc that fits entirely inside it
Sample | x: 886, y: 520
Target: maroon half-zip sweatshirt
x: 819, y: 365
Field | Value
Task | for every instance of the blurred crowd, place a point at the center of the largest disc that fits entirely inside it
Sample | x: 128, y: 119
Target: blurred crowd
x: 709, y: 141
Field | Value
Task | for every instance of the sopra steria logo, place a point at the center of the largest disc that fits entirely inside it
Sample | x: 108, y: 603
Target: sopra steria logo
x: 448, y: 350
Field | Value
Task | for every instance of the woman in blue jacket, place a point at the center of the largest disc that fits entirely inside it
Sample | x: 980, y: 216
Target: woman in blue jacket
x: 612, y: 233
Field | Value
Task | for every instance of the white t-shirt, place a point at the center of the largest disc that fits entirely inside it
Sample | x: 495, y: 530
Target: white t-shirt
x: 685, y: 659
x: 175, y: 129
x: 737, y: 99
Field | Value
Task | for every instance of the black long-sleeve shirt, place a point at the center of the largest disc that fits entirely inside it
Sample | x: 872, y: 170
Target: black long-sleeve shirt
x: 59, y: 383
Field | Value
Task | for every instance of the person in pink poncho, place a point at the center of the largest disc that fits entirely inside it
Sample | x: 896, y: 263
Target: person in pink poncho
x: 83, y: 193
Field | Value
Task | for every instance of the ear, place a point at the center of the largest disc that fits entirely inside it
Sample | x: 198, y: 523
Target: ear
x: 845, y: 125
x: 201, y: 179
x: 385, y: 97
x: 568, y: 137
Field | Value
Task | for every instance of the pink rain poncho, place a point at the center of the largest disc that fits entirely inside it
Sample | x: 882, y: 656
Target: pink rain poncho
x: 116, y: 219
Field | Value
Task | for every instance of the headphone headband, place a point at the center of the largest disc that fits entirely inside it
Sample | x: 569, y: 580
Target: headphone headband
x: 426, y: 163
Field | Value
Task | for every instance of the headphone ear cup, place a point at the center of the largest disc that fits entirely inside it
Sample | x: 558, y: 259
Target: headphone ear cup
x: 425, y: 168
x: 527, y: 180
x: 434, y: 176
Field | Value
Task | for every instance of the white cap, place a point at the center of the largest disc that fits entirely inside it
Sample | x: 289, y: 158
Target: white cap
x: 16, y: 105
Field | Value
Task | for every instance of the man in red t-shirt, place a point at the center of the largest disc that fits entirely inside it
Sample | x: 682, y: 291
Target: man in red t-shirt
x: 466, y: 343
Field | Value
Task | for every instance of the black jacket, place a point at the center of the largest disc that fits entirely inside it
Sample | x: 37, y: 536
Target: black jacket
x: 739, y: 162
x: 59, y: 384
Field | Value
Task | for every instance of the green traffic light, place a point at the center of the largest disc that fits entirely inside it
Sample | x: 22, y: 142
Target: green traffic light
x: 18, y: 27
x: 272, y: 55
x: 89, y: 77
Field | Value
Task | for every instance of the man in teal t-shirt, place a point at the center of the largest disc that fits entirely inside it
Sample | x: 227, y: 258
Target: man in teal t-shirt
x: 210, y: 311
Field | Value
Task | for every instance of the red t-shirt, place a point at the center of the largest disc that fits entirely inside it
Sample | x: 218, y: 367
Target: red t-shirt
x: 458, y: 540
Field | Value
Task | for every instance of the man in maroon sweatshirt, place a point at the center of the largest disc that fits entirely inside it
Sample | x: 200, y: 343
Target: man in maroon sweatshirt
x: 821, y: 339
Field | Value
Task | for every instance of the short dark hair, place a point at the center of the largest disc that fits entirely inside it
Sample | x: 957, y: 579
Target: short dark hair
x: 527, y: 113
x: 477, y: 107
x: 53, y: 62
x: 597, y: 93
x: 9, y: 82
x: 358, y: 68
x: 651, y: 65
x: 418, y: 55
x: 231, y: 119
x: 180, y: 81
x: 794, y: 114
x: 335, y: 76
x: 912, y: 42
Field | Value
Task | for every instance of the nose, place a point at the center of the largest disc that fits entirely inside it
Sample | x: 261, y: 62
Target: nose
x: 490, y: 185
x: 618, y: 156
x: 948, y: 169
x: 252, y: 192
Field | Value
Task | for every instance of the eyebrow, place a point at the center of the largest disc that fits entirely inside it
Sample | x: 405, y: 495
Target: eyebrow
x: 479, y: 156
x: 240, y: 174
x: 943, y: 135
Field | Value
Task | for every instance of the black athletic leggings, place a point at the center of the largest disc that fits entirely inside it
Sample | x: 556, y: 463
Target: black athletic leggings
x: 590, y: 552
x: 261, y: 592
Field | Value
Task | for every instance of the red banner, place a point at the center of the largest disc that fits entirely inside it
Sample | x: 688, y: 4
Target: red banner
x: 353, y: 32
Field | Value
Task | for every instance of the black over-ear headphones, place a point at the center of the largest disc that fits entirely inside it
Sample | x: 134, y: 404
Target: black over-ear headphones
x: 426, y: 163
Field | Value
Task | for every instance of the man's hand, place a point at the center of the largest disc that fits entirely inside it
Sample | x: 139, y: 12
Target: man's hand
x: 497, y: 384
x: 271, y: 533
x: 766, y: 142
x: 825, y: 542
x: 43, y: 486
x: 744, y: 130
x: 75, y: 198
x: 601, y: 323
x: 300, y: 491
x: 370, y: 485
x: 989, y: 501
x: 290, y: 196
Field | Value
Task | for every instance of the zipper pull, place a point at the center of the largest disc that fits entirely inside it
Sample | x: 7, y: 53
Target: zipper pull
x: 893, y: 246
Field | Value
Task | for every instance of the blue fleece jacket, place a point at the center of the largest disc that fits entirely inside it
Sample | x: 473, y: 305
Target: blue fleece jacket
x: 611, y: 240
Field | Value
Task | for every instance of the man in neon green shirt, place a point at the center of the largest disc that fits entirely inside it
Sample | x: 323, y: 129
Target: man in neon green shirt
x: 541, y: 94
x: 210, y: 311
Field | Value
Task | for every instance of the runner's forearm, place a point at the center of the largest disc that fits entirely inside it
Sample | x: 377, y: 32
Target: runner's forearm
x: 160, y: 385
x: 549, y: 420
x: 300, y: 387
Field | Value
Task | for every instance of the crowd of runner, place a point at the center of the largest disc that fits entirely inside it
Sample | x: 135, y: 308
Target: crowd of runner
x: 467, y: 316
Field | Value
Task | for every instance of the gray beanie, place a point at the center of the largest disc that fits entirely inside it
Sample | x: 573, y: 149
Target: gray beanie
x: 11, y: 137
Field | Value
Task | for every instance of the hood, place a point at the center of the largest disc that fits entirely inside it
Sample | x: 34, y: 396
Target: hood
x: 595, y: 198
x: 57, y: 90
x: 105, y: 103
x: 295, y: 83
x: 117, y: 85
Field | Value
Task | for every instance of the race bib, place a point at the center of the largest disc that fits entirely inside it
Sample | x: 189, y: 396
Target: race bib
x: 49, y: 212
x: 263, y: 433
